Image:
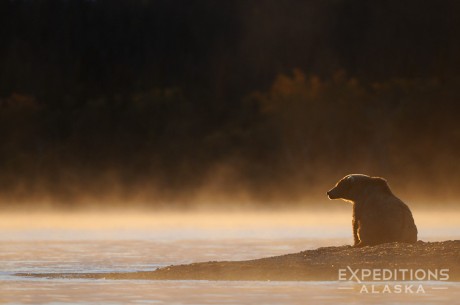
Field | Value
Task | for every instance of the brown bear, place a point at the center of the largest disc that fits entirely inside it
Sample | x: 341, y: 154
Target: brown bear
x: 378, y: 215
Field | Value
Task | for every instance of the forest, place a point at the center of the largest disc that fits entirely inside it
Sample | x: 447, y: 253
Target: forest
x: 172, y: 102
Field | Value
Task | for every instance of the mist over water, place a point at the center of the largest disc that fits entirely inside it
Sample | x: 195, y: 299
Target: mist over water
x: 328, y: 222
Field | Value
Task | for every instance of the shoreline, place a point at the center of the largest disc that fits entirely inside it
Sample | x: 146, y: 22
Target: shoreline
x: 322, y: 264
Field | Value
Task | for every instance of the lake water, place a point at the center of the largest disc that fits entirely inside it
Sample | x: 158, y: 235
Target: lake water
x: 133, y: 241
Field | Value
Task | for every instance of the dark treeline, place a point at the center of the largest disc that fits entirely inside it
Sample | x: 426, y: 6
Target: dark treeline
x: 175, y: 100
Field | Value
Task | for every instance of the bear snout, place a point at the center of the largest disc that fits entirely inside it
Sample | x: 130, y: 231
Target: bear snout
x: 331, y: 194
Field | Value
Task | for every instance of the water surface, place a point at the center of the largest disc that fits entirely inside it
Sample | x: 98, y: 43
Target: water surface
x: 124, y: 242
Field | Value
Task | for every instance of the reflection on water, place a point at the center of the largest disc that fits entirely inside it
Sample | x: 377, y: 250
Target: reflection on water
x: 205, y: 292
x: 112, y: 242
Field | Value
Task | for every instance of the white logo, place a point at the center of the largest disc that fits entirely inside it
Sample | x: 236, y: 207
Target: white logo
x: 392, y: 280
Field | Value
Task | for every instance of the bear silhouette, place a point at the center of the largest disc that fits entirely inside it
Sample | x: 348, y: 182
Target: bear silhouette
x: 378, y: 215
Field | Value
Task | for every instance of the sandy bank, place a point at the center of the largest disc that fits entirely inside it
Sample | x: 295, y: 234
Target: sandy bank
x: 321, y: 264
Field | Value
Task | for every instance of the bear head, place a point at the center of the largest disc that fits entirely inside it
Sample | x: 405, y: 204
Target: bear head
x: 352, y: 187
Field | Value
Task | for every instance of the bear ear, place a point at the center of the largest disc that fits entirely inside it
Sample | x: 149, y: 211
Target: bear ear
x: 350, y: 178
x: 381, y: 181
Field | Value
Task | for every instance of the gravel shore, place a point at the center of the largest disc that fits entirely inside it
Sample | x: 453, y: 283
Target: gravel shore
x: 322, y: 264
